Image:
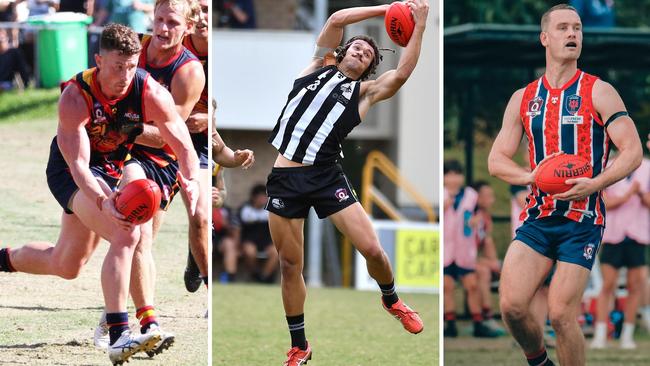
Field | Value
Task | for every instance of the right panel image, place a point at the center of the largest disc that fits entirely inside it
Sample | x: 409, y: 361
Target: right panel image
x: 546, y: 183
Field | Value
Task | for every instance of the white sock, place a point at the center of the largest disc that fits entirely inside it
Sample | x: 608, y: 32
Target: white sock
x: 600, y: 331
x: 628, y: 332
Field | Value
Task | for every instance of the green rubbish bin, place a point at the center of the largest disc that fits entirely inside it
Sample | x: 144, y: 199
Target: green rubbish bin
x: 62, y: 49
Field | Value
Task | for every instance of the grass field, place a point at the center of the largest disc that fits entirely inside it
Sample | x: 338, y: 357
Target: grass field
x: 469, y: 351
x: 45, y: 320
x: 28, y: 105
x: 344, y: 327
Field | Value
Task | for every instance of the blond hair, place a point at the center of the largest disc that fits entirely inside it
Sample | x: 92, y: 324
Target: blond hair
x: 190, y: 9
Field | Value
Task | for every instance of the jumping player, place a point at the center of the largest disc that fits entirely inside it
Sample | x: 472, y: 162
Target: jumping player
x: 329, y: 98
x: 565, y: 110
x: 99, y: 113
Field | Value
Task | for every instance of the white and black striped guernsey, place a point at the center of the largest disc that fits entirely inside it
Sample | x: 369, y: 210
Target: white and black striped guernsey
x: 321, y: 110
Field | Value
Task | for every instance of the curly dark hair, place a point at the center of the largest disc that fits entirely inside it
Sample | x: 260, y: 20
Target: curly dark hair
x: 118, y: 37
x: 342, y: 50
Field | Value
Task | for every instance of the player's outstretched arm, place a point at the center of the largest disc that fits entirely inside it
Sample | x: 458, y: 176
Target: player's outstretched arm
x: 74, y: 145
x: 623, y: 134
x: 500, y: 163
x: 388, y: 83
x: 186, y: 87
x: 332, y: 33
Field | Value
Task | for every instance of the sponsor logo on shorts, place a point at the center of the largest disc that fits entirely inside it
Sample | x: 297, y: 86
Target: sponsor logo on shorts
x: 589, y: 251
x: 277, y: 203
x: 341, y: 194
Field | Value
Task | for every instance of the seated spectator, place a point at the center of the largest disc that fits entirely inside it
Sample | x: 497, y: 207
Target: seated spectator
x: 136, y: 14
x: 236, y: 14
x: 595, y: 13
x: 12, y: 61
x: 256, y: 237
x: 42, y: 7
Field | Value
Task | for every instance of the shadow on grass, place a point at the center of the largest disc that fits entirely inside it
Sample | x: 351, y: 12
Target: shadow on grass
x: 43, y: 308
x: 19, y: 108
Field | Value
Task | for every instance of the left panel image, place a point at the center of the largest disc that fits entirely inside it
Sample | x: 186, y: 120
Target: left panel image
x: 103, y: 111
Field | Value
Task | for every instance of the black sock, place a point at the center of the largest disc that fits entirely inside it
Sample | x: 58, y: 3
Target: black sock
x: 297, y: 331
x: 117, y: 323
x: 5, y: 265
x: 205, y: 280
x: 539, y: 359
x: 388, y: 294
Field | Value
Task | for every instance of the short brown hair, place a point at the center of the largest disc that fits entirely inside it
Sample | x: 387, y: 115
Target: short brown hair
x: 118, y: 37
x: 545, y: 17
x: 342, y: 50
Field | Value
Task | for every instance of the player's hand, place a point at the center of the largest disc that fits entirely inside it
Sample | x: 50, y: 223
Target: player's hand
x: 420, y: 10
x: 217, y: 198
x: 197, y: 122
x: 582, y: 188
x: 108, y: 206
x: 245, y: 158
x: 191, y: 187
x: 531, y: 176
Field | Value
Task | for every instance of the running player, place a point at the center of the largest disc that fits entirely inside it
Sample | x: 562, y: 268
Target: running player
x: 565, y: 110
x: 176, y: 69
x: 100, y: 112
x: 197, y: 43
x: 329, y: 98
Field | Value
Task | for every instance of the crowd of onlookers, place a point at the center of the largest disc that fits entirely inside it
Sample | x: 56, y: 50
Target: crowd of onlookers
x: 242, y: 236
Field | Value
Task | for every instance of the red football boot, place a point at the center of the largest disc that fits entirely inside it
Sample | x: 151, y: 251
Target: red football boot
x: 297, y: 356
x: 409, y: 318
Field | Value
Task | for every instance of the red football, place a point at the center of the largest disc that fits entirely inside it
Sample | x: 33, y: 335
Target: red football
x: 138, y: 200
x: 552, y: 173
x: 399, y: 23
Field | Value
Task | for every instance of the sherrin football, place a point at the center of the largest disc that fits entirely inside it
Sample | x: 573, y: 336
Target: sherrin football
x: 138, y: 200
x: 399, y: 23
x: 552, y: 173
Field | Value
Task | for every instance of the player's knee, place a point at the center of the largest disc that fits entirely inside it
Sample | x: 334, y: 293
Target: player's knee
x: 70, y: 271
x: 373, y: 252
x: 512, y: 312
x: 561, y: 318
x: 126, y: 238
x: 290, y: 266
x: 199, y: 222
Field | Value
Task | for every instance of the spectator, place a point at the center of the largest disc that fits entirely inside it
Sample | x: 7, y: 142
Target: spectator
x: 136, y: 14
x: 595, y: 13
x: 77, y: 6
x: 239, y: 14
x: 8, y: 13
x: 12, y: 61
x: 256, y: 237
x: 487, y: 264
x: 625, y: 244
x: 223, y: 236
x: 460, y: 250
x: 42, y: 7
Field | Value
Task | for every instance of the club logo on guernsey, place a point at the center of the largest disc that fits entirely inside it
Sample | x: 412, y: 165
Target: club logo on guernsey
x: 341, y: 194
x: 534, y: 107
x: 589, y: 251
x: 572, y: 105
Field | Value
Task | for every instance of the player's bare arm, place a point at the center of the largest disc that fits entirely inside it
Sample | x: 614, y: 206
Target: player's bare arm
x: 504, y: 148
x: 74, y: 144
x: 186, y: 88
x: 623, y: 134
x: 150, y: 137
x: 332, y: 34
x: 385, y: 86
x: 226, y: 157
x: 161, y: 110
x: 197, y: 122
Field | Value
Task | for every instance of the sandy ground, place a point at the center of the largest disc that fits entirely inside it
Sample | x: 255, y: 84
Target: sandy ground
x: 45, y: 320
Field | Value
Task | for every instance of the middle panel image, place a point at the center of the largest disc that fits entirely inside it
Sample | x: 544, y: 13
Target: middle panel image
x: 327, y: 241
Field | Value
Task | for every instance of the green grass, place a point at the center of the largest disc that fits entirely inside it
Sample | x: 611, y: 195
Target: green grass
x: 344, y: 327
x: 31, y: 104
x: 45, y: 320
x: 468, y: 351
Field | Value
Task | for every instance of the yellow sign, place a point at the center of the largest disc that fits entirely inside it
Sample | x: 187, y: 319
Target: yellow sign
x: 416, y: 258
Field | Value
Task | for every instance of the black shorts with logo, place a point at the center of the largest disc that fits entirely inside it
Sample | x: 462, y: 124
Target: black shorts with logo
x: 60, y: 181
x: 292, y: 191
x: 628, y: 253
